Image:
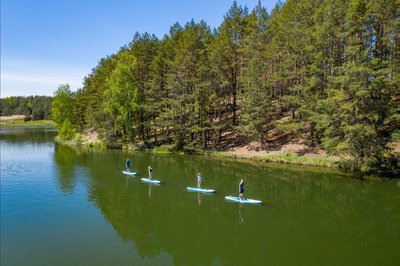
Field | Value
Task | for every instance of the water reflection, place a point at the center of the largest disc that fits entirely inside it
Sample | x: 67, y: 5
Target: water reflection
x: 65, y: 166
x: 199, y: 198
x: 150, y: 190
x: 23, y: 135
x: 241, y: 220
x: 309, y: 217
x: 303, y: 210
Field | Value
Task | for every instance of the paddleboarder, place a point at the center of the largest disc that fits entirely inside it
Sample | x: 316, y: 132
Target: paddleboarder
x: 241, y: 188
x: 199, y: 180
x: 128, y: 164
x: 150, y: 172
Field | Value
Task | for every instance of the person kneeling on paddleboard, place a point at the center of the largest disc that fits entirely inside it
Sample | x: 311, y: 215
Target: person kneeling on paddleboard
x: 150, y: 172
x: 199, y: 180
x: 128, y: 164
x: 241, y: 188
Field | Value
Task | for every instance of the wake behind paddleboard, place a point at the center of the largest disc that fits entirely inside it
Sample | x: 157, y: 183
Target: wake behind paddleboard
x: 202, y: 190
x: 243, y: 200
x: 125, y: 172
x: 151, y: 181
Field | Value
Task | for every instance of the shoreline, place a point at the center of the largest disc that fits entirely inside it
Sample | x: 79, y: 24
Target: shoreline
x: 318, y: 159
x: 285, y: 157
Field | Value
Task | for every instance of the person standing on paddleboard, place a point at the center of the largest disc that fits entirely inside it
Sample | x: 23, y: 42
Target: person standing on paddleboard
x: 150, y: 172
x: 199, y: 180
x: 128, y: 164
x: 241, y: 188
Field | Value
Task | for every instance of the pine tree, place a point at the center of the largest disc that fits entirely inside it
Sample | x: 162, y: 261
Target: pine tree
x: 143, y: 48
x: 255, y: 98
x: 227, y: 55
x: 328, y: 69
x: 89, y: 101
x: 361, y: 99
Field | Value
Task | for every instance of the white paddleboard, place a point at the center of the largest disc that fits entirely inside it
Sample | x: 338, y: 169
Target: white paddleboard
x: 151, y: 181
x: 243, y: 200
x: 125, y: 172
x: 203, y: 190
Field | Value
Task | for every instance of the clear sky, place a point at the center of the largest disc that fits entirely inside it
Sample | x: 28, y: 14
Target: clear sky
x: 45, y: 43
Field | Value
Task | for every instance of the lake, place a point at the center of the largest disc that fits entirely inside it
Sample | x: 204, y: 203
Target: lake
x: 65, y: 206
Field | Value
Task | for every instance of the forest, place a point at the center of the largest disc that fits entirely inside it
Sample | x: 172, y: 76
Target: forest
x: 325, y: 71
x: 33, y: 107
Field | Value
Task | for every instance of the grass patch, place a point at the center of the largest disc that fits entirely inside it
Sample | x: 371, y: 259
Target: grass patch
x: 167, y: 149
x: 288, y: 158
x: 164, y: 149
x: 22, y: 123
x: 79, y: 140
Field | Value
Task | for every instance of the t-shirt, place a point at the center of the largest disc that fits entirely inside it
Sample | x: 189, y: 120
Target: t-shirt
x: 241, y: 187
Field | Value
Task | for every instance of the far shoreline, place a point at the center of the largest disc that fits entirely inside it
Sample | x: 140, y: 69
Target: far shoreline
x: 18, y: 121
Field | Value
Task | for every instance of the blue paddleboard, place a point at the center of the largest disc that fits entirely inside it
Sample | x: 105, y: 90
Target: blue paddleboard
x: 125, y: 172
x: 151, y: 181
x: 243, y: 200
x: 203, y: 190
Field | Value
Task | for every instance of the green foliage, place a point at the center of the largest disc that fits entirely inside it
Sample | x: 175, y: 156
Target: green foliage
x: 25, y: 122
x: 255, y: 99
x: 324, y: 69
x: 121, y: 97
x: 290, y: 158
x: 67, y: 130
x: 89, y: 99
x: 63, y: 111
x: 36, y: 106
x: 27, y: 118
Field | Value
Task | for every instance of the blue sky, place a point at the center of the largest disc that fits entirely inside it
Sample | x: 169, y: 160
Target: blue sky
x: 45, y: 43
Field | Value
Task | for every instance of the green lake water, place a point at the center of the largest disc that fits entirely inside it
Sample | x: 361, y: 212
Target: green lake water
x: 63, y: 206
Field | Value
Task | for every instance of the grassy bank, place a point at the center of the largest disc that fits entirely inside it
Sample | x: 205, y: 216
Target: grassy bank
x: 288, y: 158
x: 18, y: 121
x: 70, y: 143
x: 80, y: 140
x: 285, y: 157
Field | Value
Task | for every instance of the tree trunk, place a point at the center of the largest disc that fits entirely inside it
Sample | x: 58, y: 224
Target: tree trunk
x: 142, y: 131
x: 234, y: 110
x: 205, y: 139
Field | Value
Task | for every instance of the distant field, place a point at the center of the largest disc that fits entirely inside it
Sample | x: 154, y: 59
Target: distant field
x: 18, y: 121
x: 11, y: 117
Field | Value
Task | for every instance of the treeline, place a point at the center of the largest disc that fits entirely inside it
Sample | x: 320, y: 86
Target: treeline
x: 33, y: 107
x: 329, y: 68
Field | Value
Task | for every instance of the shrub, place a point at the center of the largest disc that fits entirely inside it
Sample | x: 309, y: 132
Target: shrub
x: 27, y: 118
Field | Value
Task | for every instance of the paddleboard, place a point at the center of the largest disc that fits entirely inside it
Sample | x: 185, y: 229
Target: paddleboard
x: 243, y: 200
x: 203, y: 190
x: 125, y: 172
x: 152, y: 181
